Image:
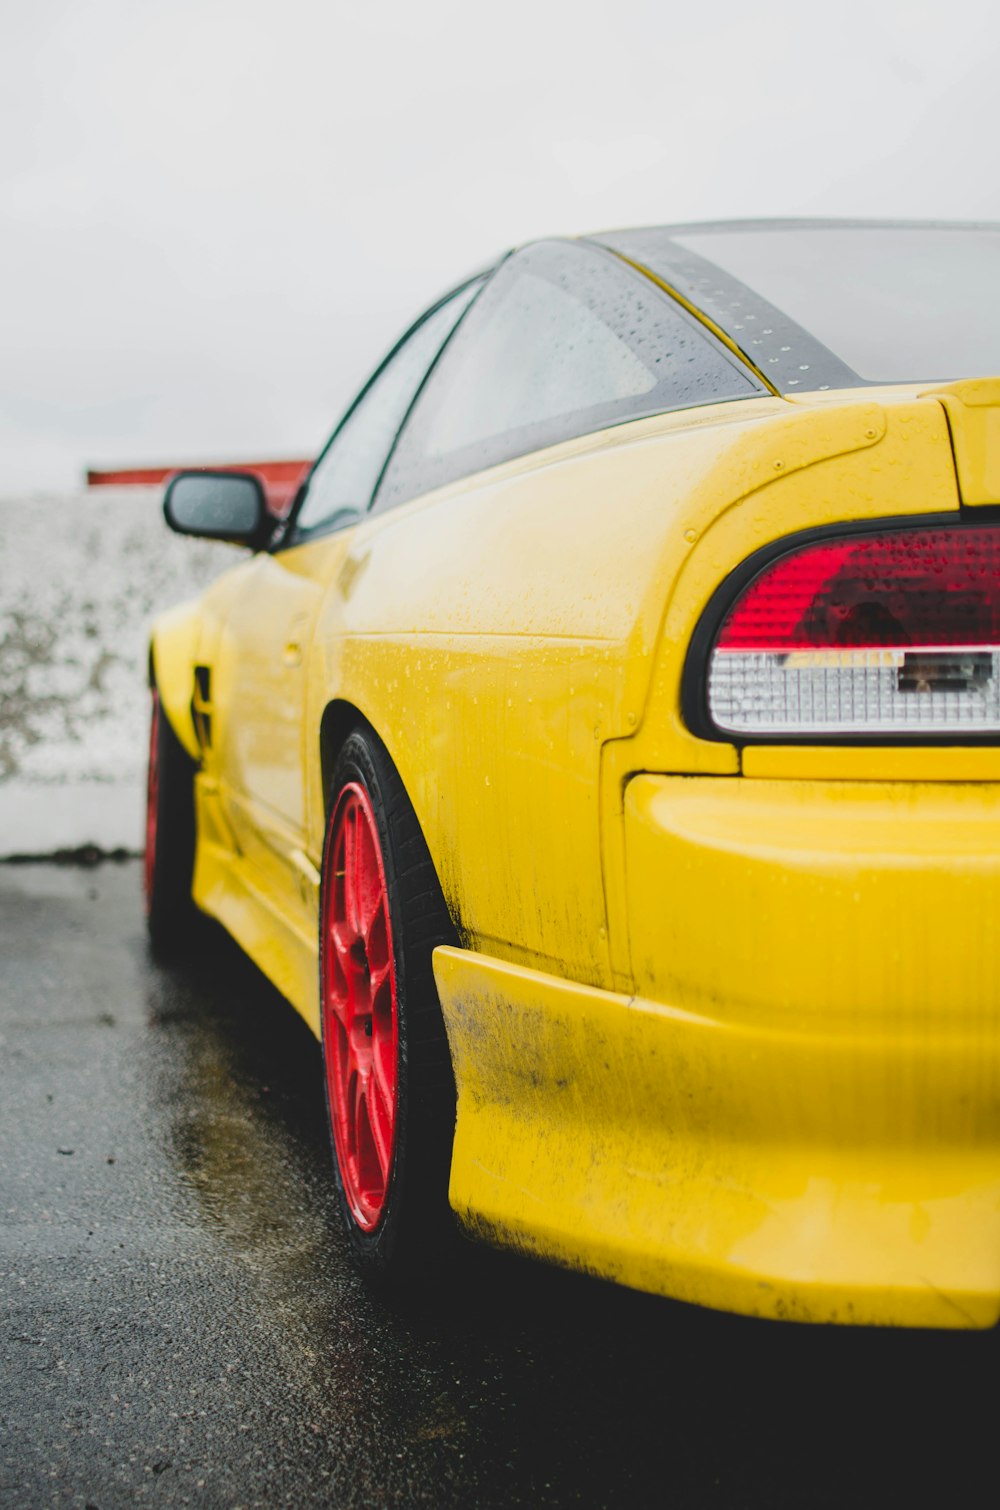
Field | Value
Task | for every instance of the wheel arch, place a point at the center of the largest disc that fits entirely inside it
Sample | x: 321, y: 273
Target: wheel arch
x: 173, y: 648
x: 340, y: 717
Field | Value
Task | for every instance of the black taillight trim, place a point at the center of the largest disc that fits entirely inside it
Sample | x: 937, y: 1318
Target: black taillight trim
x: 694, y: 677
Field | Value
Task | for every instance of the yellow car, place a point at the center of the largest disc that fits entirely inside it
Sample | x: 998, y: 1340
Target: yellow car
x: 603, y: 758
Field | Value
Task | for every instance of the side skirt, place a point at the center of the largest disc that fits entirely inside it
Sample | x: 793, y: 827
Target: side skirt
x: 226, y: 887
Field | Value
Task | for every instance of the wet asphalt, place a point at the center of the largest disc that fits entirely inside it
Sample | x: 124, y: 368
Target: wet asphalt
x: 180, y: 1323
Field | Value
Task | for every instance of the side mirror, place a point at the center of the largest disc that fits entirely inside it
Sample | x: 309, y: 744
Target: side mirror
x: 217, y: 506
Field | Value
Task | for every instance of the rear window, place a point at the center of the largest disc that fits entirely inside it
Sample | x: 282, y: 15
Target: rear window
x: 564, y: 340
x: 825, y: 306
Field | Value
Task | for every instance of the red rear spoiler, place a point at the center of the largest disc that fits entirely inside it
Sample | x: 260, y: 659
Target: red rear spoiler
x: 280, y: 479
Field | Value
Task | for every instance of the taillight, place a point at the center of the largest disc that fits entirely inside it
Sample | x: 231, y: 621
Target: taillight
x: 894, y: 632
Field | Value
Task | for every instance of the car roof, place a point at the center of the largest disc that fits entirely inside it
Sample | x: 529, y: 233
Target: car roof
x: 761, y: 316
x: 793, y: 223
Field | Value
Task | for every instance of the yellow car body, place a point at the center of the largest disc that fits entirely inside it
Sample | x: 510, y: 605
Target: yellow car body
x: 725, y: 1024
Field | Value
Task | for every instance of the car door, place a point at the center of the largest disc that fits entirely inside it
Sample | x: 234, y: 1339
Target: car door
x: 258, y: 679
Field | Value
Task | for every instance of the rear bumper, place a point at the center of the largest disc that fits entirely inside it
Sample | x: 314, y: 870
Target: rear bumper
x: 799, y: 1116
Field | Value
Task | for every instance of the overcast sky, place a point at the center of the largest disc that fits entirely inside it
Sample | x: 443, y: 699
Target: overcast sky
x: 215, y: 215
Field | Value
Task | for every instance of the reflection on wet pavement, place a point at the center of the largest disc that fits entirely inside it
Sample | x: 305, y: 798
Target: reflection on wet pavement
x: 181, y: 1323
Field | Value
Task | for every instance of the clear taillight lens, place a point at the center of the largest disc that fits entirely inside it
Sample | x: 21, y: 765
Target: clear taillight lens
x: 895, y: 632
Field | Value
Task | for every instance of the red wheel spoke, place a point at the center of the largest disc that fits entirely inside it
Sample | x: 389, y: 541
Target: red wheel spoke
x: 373, y: 1147
x: 360, y: 1023
x: 350, y: 1060
x: 342, y: 987
x: 370, y: 891
x: 379, y: 977
x: 343, y: 939
x: 371, y: 919
x: 360, y: 1116
x: 348, y: 1089
x: 350, y: 852
x: 380, y: 1121
x: 377, y: 938
x: 383, y: 1075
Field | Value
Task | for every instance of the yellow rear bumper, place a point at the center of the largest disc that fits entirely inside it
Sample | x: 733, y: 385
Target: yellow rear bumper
x: 799, y: 1115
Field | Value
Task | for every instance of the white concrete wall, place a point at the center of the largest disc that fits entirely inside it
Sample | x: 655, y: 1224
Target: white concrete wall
x: 81, y: 577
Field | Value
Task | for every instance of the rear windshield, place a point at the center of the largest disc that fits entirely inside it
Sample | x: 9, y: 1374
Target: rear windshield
x: 817, y: 307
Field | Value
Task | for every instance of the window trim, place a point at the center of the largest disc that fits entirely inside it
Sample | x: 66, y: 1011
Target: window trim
x: 543, y: 435
x: 289, y: 535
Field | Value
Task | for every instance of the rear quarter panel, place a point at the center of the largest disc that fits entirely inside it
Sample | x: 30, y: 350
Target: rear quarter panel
x: 517, y: 640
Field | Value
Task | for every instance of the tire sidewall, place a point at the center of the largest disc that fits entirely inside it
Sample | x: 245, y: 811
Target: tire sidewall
x: 172, y: 919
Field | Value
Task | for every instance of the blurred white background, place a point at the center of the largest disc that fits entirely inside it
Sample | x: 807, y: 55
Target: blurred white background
x: 216, y: 214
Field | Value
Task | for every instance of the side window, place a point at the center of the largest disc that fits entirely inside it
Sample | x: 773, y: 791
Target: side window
x: 563, y: 340
x: 346, y: 474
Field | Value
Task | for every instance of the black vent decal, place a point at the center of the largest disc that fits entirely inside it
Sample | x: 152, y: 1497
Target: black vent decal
x: 201, y: 706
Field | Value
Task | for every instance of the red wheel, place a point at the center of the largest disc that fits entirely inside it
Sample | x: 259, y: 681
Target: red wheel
x: 389, y: 1085
x: 360, y: 1016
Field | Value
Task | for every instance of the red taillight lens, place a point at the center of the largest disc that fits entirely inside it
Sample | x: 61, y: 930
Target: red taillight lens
x: 885, y: 632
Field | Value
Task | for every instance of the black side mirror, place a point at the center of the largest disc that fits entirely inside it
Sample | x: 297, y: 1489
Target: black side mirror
x: 218, y: 506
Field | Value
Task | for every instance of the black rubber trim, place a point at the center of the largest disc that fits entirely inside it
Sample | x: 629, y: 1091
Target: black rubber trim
x: 694, y: 679
x: 288, y: 533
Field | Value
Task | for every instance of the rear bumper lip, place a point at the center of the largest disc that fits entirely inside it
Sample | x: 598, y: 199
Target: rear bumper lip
x: 761, y: 1168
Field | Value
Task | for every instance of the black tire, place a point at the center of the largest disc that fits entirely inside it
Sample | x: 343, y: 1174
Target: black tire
x: 172, y: 919
x: 412, y: 1238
